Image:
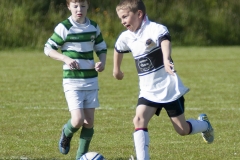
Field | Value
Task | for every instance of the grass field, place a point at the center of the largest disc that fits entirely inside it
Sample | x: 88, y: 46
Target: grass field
x: 33, y: 107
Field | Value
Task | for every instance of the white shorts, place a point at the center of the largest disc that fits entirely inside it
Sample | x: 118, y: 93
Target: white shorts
x: 77, y: 99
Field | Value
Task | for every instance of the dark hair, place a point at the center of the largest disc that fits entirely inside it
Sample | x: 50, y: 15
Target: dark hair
x: 68, y: 1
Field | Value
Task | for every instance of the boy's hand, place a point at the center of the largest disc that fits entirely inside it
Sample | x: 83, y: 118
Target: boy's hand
x: 169, y: 67
x: 73, y: 64
x: 118, y: 75
x: 99, y: 67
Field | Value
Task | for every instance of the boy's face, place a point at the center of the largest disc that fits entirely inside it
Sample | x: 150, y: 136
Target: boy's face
x: 132, y: 21
x: 78, y: 10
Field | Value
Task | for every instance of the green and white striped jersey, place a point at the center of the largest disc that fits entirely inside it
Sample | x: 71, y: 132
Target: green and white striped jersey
x: 78, y: 41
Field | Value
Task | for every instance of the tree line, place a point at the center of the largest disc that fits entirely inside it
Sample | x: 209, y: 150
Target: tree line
x: 28, y: 23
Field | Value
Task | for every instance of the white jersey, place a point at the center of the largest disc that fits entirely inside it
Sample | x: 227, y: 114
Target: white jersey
x: 155, y: 83
x: 78, y: 41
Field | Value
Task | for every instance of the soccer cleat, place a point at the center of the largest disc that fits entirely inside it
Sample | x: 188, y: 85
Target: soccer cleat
x: 208, y: 135
x: 64, y: 142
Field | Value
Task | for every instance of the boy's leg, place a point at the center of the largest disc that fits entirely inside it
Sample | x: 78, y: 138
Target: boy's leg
x: 190, y: 126
x: 140, y: 136
x: 66, y: 136
x: 193, y: 126
x: 74, y: 100
x: 141, y: 143
x: 84, y: 142
x: 86, y: 132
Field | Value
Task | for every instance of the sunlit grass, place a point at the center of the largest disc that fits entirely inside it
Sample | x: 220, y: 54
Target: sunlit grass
x: 33, y: 107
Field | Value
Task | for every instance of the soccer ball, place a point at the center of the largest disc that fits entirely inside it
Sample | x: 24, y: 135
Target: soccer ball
x: 92, y: 156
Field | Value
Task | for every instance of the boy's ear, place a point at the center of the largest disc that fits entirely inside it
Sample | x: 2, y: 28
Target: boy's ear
x: 140, y: 13
x: 68, y: 7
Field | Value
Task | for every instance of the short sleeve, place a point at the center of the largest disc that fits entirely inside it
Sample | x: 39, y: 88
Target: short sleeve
x: 121, y: 44
x: 163, y: 34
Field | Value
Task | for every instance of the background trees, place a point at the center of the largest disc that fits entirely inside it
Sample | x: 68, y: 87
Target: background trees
x: 27, y: 23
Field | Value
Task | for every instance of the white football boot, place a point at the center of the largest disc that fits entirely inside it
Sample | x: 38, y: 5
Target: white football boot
x: 208, y: 135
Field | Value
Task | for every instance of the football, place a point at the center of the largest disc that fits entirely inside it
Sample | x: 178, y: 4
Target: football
x: 92, y: 156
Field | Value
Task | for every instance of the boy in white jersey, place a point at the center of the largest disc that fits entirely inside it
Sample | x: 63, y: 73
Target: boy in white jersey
x: 160, y: 86
x: 78, y: 37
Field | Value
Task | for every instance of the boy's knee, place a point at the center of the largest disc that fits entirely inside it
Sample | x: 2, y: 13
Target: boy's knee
x: 135, y: 120
x: 88, y: 123
x: 138, y: 122
x: 77, y: 122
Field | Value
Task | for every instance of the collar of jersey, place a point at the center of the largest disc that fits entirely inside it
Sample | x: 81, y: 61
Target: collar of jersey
x: 78, y: 24
x: 144, y: 23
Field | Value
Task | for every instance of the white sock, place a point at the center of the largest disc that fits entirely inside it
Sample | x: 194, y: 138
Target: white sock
x: 198, y: 126
x: 141, y: 142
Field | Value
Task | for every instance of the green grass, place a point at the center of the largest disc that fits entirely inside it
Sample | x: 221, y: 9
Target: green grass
x: 33, y: 107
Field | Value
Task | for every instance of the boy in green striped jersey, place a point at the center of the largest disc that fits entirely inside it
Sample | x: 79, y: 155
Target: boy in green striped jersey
x: 78, y: 37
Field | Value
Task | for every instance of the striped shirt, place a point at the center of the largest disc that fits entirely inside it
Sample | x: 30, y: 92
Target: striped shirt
x: 79, y: 42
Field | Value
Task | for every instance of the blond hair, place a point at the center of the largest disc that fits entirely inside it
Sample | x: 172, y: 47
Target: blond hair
x: 132, y: 6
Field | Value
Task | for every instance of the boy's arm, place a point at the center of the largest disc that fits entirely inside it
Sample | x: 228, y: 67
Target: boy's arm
x: 166, y: 50
x: 60, y: 57
x: 117, y: 60
x: 100, y: 66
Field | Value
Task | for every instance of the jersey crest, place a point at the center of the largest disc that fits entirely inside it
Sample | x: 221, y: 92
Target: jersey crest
x: 92, y: 38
